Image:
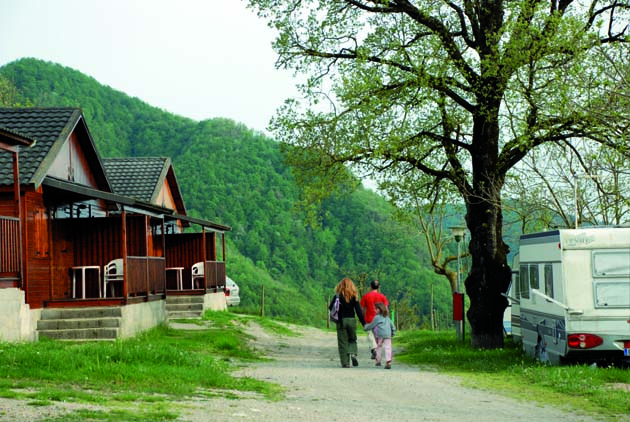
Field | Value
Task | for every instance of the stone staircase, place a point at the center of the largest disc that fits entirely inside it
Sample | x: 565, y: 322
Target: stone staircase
x: 80, y: 324
x: 184, y: 307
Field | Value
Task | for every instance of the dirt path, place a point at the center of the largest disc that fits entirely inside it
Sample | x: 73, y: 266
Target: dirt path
x: 318, y: 389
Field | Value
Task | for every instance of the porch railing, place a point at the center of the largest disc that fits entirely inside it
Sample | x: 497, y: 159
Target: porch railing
x: 215, y: 274
x: 145, y: 274
x: 9, y: 246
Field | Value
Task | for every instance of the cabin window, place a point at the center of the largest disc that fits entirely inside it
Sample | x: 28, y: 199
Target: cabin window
x: 516, y: 283
x: 524, y: 282
x: 613, y: 263
x: 549, y: 280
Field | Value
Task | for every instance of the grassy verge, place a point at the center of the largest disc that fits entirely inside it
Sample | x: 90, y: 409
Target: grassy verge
x: 151, y: 370
x: 600, y: 391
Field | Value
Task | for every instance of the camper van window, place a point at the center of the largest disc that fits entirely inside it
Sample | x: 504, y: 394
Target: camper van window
x: 611, y: 263
x: 549, y: 280
x: 533, y: 276
x: 524, y: 281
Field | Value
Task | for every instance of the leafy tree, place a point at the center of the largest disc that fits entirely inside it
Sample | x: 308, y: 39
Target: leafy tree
x: 561, y: 186
x: 421, y: 94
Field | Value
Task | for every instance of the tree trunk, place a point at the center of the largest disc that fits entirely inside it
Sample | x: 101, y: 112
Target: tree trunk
x: 488, y: 278
x: 490, y: 274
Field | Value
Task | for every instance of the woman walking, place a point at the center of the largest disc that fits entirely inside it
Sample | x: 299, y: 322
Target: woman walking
x: 349, y: 309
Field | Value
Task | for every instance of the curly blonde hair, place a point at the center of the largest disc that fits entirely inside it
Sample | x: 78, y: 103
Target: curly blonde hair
x: 346, y: 289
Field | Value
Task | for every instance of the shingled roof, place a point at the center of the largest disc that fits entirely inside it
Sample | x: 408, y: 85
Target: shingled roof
x: 50, y: 128
x: 142, y: 178
x: 11, y: 139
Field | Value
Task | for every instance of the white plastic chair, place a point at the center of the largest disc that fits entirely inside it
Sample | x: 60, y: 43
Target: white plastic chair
x: 197, y: 272
x: 113, y: 273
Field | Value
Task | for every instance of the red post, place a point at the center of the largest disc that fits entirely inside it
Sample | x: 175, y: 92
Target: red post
x: 458, y: 306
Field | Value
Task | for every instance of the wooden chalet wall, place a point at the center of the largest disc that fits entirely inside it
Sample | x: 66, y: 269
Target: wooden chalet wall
x: 183, y: 250
x: 83, y: 241
x: 37, y: 253
x: 71, y: 164
x: 146, y: 241
x: 211, y: 246
x: 7, y: 204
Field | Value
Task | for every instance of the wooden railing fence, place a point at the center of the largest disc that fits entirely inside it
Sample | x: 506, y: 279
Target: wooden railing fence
x: 145, y: 274
x: 9, y: 245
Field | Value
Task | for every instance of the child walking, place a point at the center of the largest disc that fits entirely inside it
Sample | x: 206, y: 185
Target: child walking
x: 384, y: 330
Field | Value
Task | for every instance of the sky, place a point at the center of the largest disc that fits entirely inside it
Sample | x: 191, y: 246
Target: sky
x: 195, y: 58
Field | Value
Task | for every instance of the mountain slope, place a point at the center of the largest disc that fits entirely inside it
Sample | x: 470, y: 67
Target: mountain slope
x: 236, y: 176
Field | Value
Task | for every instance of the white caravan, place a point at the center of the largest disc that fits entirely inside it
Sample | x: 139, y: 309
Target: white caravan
x: 571, y: 296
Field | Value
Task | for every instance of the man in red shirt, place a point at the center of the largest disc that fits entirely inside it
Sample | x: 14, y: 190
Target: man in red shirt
x: 367, y: 305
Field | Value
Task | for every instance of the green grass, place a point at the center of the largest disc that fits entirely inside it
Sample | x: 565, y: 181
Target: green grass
x: 601, y: 391
x: 158, y: 366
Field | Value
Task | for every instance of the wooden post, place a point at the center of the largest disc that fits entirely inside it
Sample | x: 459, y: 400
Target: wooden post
x: 432, y: 312
x: 262, y: 302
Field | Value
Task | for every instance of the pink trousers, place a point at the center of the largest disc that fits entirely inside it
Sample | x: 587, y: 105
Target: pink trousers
x: 383, y: 344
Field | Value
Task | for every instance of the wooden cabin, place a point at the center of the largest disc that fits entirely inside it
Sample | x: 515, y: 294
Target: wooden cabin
x: 152, y: 179
x: 83, y: 244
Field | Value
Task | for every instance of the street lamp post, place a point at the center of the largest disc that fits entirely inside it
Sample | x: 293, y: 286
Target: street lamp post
x: 459, y: 233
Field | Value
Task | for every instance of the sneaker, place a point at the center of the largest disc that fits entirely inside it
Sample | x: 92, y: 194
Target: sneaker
x: 355, y: 362
x: 388, y: 365
x: 373, y: 353
x: 345, y: 365
x: 378, y: 364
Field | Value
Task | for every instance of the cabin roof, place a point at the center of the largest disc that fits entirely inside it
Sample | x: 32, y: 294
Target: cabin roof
x: 143, y: 178
x: 12, y: 138
x: 50, y: 128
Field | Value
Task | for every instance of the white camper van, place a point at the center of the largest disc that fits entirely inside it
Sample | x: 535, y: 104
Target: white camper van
x: 514, y: 302
x: 571, y: 296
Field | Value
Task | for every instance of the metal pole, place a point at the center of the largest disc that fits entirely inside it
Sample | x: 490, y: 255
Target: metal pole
x: 575, y: 191
x: 458, y: 265
x: 458, y: 271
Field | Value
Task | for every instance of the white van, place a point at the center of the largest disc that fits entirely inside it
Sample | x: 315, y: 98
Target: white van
x: 571, y: 296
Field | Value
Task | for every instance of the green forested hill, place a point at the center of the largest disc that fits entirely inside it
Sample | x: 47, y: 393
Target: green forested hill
x: 236, y: 176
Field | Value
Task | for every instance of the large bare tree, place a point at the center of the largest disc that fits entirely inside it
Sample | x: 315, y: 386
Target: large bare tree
x: 425, y: 92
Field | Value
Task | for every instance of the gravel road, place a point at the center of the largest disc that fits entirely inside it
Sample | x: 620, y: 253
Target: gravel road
x: 318, y: 389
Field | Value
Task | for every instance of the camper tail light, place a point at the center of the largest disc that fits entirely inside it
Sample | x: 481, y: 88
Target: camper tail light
x: 584, y: 341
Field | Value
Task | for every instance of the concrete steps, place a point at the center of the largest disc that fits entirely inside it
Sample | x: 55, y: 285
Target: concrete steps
x: 184, y: 307
x: 80, y: 324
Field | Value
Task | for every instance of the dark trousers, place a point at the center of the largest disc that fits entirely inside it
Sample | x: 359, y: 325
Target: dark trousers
x: 347, y: 339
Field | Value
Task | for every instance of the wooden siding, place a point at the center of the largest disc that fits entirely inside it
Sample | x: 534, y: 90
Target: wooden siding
x: 143, y: 236
x: 7, y: 204
x: 211, y: 246
x: 37, y: 257
x: 183, y: 250
x: 80, y: 242
x: 165, y: 197
x: 71, y: 164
